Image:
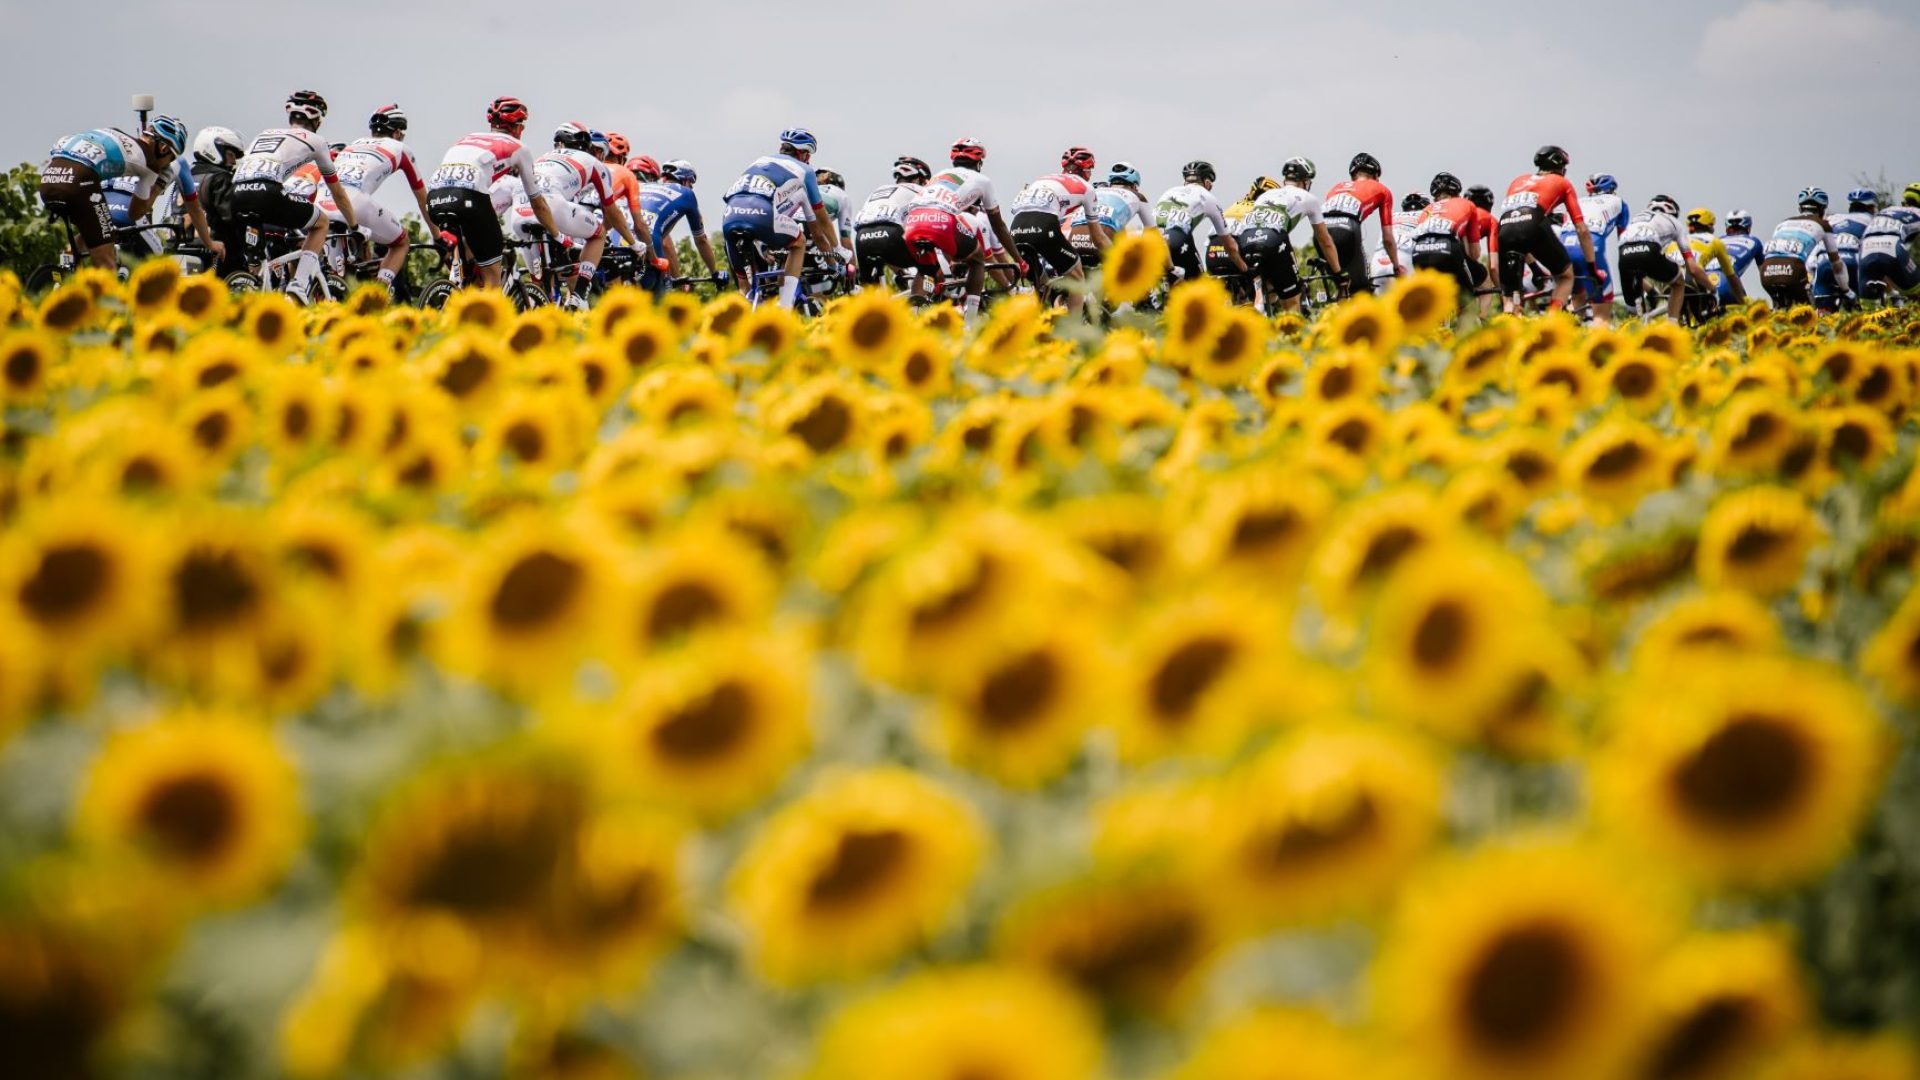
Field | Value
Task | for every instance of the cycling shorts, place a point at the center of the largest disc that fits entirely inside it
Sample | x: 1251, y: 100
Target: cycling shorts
x: 269, y: 202
x: 1597, y: 287
x: 930, y: 229
x: 570, y: 218
x: 1889, y: 261
x: 72, y: 191
x: 1786, y: 280
x: 1181, y: 251
x: 1344, y: 229
x: 878, y: 247
x: 1642, y: 261
x: 378, y: 222
x: 1036, y: 233
x: 1081, y: 240
x: 1268, y: 254
x: 1518, y: 240
x: 468, y: 214
x: 1448, y: 255
x: 752, y: 219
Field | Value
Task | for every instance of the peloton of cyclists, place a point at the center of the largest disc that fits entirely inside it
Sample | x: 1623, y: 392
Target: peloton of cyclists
x: 1526, y: 229
x: 1655, y: 248
x: 1349, y: 204
x: 1119, y: 208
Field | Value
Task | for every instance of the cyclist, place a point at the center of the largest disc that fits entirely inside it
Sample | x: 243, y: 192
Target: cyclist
x: 879, y: 225
x: 1886, y: 252
x: 1181, y: 209
x: 1119, y: 207
x: 1847, y: 229
x: 578, y: 189
x: 773, y: 202
x: 1265, y: 235
x: 1607, y: 218
x: 178, y: 181
x: 1481, y: 196
x: 1714, y: 256
x: 1655, y: 248
x: 461, y: 192
x: 70, y: 180
x: 1386, y: 267
x: 833, y: 195
x: 939, y: 225
x: 1450, y: 236
x: 362, y: 167
x: 1745, y: 248
x: 1039, y: 212
x: 1260, y: 186
x: 664, y: 204
x: 261, y: 184
x: 1348, y: 205
x: 215, y: 150
x: 645, y: 169
x: 626, y: 186
x: 1787, y: 269
x: 1526, y: 229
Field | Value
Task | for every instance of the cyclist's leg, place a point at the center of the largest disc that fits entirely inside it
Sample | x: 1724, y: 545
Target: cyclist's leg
x: 72, y: 191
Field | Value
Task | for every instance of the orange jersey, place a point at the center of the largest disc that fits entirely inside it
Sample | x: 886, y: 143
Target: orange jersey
x: 1537, y: 195
x: 626, y: 189
x: 1359, y: 198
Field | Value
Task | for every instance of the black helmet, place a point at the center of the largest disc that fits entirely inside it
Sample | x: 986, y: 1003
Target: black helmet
x: 829, y: 176
x: 1197, y: 171
x: 1413, y: 201
x: 1481, y: 196
x: 910, y: 170
x: 1298, y: 169
x: 1551, y: 158
x: 1445, y: 186
x: 573, y: 135
x: 1367, y: 163
x: 308, y: 106
x: 386, y: 120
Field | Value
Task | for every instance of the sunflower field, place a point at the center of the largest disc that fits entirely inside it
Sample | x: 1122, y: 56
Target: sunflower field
x: 693, y: 691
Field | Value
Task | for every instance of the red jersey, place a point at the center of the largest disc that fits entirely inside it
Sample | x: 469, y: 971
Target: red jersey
x: 1359, y: 198
x: 1454, y: 217
x: 1535, y: 196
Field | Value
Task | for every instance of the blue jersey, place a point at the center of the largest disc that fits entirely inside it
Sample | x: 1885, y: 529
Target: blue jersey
x: 774, y: 195
x: 664, y: 206
x: 1745, y: 250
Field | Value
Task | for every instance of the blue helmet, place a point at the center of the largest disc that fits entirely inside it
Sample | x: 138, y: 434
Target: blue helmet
x: 1812, y: 197
x: 169, y: 131
x: 1602, y: 184
x: 1863, y: 196
x: 799, y: 138
x: 599, y: 140
x: 680, y: 172
x: 1122, y: 172
x: 1740, y: 219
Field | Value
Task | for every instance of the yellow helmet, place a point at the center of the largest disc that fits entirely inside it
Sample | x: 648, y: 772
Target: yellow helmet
x: 1701, y: 218
x: 1262, y: 185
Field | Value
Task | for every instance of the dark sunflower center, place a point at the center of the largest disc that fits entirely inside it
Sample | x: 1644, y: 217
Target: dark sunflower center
x: 918, y: 368
x: 212, y: 588
x: 1526, y: 467
x: 218, y: 372
x: 1524, y: 991
x: 642, y: 348
x: 1018, y: 692
x: 270, y: 326
x: 1352, y: 435
x: 1299, y: 842
x: 192, y: 818
x: 526, y: 337
x: 316, y: 556
x: 492, y: 866
x: 1443, y: 635
x: 1186, y: 675
x: 1633, y: 380
x: 1620, y: 459
x: 23, y: 366
x: 1753, y: 543
x: 141, y: 474
x: 194, y: 300
x: 825, y: 426
x: 525, y: 441
x: 1751, y: 773
x: 69, y: 581
x: 465, y: 374
x: 863, y: 862
x: 1336, y: 383
x: 1876, y: 385
x: 67, y: 311
x: 1850, y: 443
x: 210, y: 431
x: 955, y: 604
x: 297, y: 420
x: 707, y: 727
x: 535, y: 590
x: 681, y: 608
x: 1760, y: 428
x: 1386, y: 549
x: 1233, y: 344
x: 871, y: 330
x: 1257, y: 530
x: 1140, y: 957
x: 1702, y: 1042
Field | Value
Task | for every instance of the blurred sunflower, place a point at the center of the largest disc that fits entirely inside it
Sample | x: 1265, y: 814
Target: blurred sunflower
x: 1757, y: 540
x: 1423, y: 302
x: 470, y: 367
x: 1240, y: 346
x: 1262, y: 520
x: 1641, y: 381
x: 1368, y: 539
x: 1727, y: 620
x: 201, y: 299
x: 1887, y: 1056
x: 1281, y: 1044
x: 1893, y: 654
x: 1617, y: 463
x: 1722, y: 1003
x: 1197, y: 314
x: 975, y: 1022
x: 844, y: 879
x: 1135, y: 942
x: 1364, y: 324
x: 67, y: 309
x: 27, y: 357
x: 273, y: 322
x: 532, y: 603
x: 374, y: 1000
x: 1198, y: 674
x: 870, y: 329
x: 477, y: 309
x: 1133, y: 266
x: 823, y: 413
x: 77, y: 574
x: 63, y: 995
x: 206, y: 800
x: 1017, y: 708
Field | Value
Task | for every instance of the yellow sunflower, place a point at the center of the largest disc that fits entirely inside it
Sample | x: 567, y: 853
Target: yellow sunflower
x: 1722, y: 1003
x: 1369, y: 539
x: 976, y: 1022
x: 1617, y: 463
x: 1197, y: 314
x: 1018, y: 708
x: 1893, y: 655
x: 1133, y: 941
x: 1757, y: 540
x: 1281, y: 1044
x: 1424, y: 302
x: 843, y: 880
x: 27, y: 358
x: 869, y: 329
x: 1133, y: 266
x: 1727, y: 620
x: 533, y: 601
x: 1362, y: 323
x: 78, y: 575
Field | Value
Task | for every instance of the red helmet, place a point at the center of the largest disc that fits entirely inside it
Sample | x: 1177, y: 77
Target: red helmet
x: 617, y: 145
x: 506, y: 112
x: 1078, y: 160
x: 644, y: 167
x: 968, y: 152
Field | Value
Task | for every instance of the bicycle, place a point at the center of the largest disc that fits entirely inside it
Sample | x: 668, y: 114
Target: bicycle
x: 822, y: 277
x: 457, y: 268
x: 192, y: 256
x: 949, y: 284
x: 1320, y: 287
x: 271, y: 257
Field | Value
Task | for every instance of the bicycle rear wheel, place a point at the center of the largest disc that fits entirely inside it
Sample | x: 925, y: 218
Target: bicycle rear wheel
x: 434, y: 296
x: 526, y: 296
x: 44, y: 277
x: 242, y: 281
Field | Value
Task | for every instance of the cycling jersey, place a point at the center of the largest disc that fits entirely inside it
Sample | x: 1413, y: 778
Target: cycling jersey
x: 1056, y: 195
x: 1440, y: 237
x: 1745, y: 250
x: 958, y: 190
x: 1535, y: 196
x: 773, y: 198
x: 1186, y: 206
x: 110, y: 153
x: 887, y: 204
x: 1712, y: 255
x: 839, y: 209
x: 1900, y: 221
x: 1663, y: 231
x: 1456, y: 217
x: 1118, y: 208
x: 663, y: 206
x: 626, y: 195
x: 1606, y: 216
x: 366, y: 163
x: 481, y: 160
x: 123, y: 190
x: 1384, y: 267
x: 1886, y: 251
x: 1283, y: 209
x: 1803, y: 237
x: 275, y: 153
x: 571, y: 175
x: 1359, y: 200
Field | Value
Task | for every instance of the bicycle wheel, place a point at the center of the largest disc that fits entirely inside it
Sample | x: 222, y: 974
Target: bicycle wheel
x: 526, y: 296
x: 242, y: 281
x: 44, y: 277
x: 434, y: 296
x: 336, y: 287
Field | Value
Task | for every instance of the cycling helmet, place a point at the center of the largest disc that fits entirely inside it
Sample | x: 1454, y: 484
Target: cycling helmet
x: 387, y: 120
x: 1664, y: 204
x: 1863, y: 197
x: 618, y: 146
x: 573, y: 135
x: 1481, y: 196
x: 644, y: 167
x: 911, y: 170
x: 820, y: 176
x: 680, y: 171
x: 1413, y: 202
x: 1123, y: 172
x: 1261, y: 185
x: 1445, y: 186
x: 967, y: 152
x: 336, y: 147
x: 169, y: 132
x: 1911, y: 197
x: 1602, y: 184
x: 1298, y: 168
x: 306, y: 105
x: 1367, y: 163
x: 213, y: 141
x: 598, y: 139
x: 1740, y: 219
x: 1813, y: 198
x: 506, y: 112
x: 798, y: 138
x: 1197, y: 171
x: 1551, y: 158
x: 1701, y: 219
x: 1077, y: 160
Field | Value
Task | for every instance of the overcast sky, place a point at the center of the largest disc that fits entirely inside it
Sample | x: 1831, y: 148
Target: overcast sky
x: 1724, y: 102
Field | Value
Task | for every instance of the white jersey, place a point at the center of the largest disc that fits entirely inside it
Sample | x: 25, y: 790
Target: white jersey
x: 1059, y: 194
x: 1604, y: 213
x: 983, y: 231
x: 1405, y: 226
x: 959, y: 190
x: 276, y: 152
x: 479, y: 161
x: 573, y: 176
x: 1282, y: 210
x: 1664, y: 230
x: 1186, y: 206
x: 1804, y: 237
x: 887, y: 203
x: 366, y: 163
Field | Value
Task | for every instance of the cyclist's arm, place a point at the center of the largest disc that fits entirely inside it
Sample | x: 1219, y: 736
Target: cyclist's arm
x: 1839, y: 265
x: 1096, y: 228
x: 616, y: 215
x: 1579, y: 219
x: 530, y: 186
x: 419, y: 187
x: 705, y: 247
x: 1001, y: 231
x: 1731, y: 271
x: 665, y: 248
x: 1323, y: 240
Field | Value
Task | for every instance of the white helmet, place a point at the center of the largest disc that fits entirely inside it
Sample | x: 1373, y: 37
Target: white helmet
x: 212, y: 140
